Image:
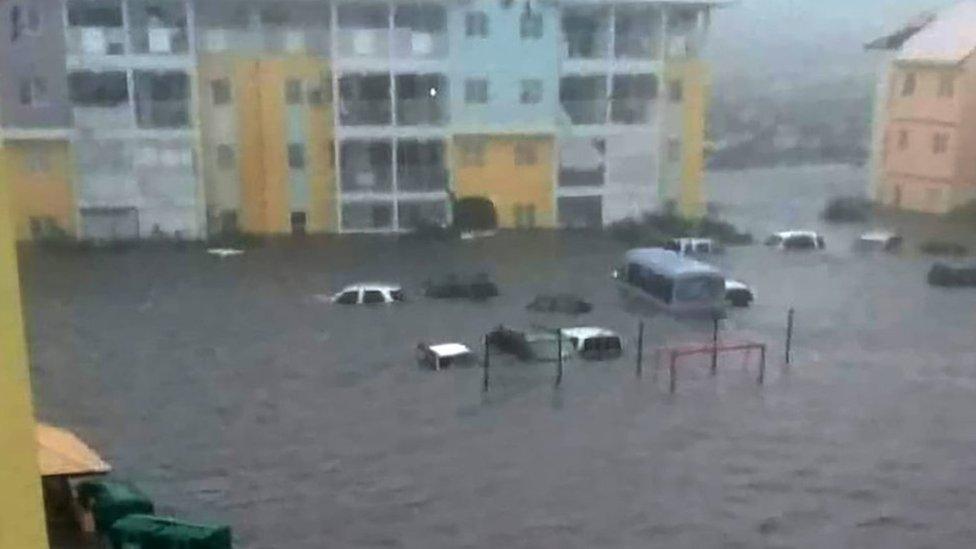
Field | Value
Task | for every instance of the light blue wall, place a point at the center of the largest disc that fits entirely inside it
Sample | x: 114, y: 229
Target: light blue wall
x: 505, y: 59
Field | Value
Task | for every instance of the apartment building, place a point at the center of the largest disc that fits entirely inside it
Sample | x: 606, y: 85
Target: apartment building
x: 925, y: 115
x: 183, y: 117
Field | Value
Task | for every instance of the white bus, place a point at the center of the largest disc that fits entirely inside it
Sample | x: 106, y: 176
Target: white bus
x: 672, y: 282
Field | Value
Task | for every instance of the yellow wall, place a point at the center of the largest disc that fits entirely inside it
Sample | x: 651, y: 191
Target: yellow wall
x: 21, y: 506
x: 694, y: 77
x: 258, y: 90
x: 506, y: 184
x: 46, y: 193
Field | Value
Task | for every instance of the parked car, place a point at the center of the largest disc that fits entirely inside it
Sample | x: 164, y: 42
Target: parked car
x: 594, y: 343
x: 738, y: 294
x: 796, y: 240
x: 530, y: 345
x: 559, y: 303
x: 878, y: 240
x: 693, y: 246
x: 445, y: 355
x: 952, y: 276
x: 455, y: 287
x: 368, y: 294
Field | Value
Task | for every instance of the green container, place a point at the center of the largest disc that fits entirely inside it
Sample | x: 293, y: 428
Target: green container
x: 152, y: 532
x: 110, y: 500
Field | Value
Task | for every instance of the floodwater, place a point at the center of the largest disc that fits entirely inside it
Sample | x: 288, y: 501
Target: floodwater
x: 231, y: 393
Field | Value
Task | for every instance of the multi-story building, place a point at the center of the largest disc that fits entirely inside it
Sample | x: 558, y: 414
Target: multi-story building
x: 925, y: 114
x: 179, y: 117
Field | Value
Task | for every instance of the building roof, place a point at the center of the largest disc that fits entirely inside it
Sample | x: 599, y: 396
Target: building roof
x: 61, y: 453
x: 670, y: 263
x: 897, y: 38
x: 948, y: 39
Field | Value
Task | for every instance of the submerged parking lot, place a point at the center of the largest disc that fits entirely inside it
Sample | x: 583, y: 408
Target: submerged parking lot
x: 231, y: 392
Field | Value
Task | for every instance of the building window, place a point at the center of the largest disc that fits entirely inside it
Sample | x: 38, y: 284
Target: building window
x: 293, y: 91
x: 225, y: 157
x: 525, y: 154
x: 676, y: 91
x: 902, y: 140
x: 38, y: 162
x: 940, y: 143
x: 472, y: 151
x: 476, y: 24
x: 476, y: 90
x: 947, y: 85
x: 299, y: 220
x: 33, y: 91
x: 908, y: 86
x: 531, y: 92
x: 220, y: 91
x: 319, y: 92
x: 531, y: 25
x: 674, y: 149
x: 296, y: 156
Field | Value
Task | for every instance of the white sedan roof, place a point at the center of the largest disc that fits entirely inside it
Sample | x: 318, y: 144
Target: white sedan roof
x: 793, y: 233
x: 445, y: 350
x: 370, y: 286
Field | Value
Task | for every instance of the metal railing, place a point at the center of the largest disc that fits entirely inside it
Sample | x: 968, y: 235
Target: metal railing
x: 582, y: 112
x: 421, y: 112
x: 631, y: 110
x: 114, y: 116
x: 363, y: 42
x: 570, y: 177
x: 643, y: 47
x: 421, y: 178
x: 163, y: 114
x: 360, y: 112
x: 585, y: 46
x: 366, y: 180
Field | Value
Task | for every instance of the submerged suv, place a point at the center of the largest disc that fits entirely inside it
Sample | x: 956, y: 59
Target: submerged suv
x: 368, y: 294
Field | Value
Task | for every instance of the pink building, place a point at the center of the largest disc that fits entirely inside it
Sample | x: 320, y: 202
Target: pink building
x: 924, y: 150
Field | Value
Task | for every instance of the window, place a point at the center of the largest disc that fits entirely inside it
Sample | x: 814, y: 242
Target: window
x: 348, y: 298
x: 472, y: 151
x: 476, y: 24
x: 476, y: 90
x: 373, y: 296
x: 293, y: 91
x: 902, y: 140
x: 908, y: 85
x: 225, y: 157
x: 320, y: 92
x: 947, y: 85
x: 98, y: 89
x: 220, y: 91
x: 296, y: 156
x: 531, y: 25
x: 33, y: 91
x: 940, y: 143
x: 298, y: 222
x: 531, y: 91
x: 676, y: 91
x: 38, y: 162
x: 525, y: 154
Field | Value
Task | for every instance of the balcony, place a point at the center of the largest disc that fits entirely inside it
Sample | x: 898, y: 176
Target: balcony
x: 365, y: 112
x: 95, y: 41
x: 163, y: 114
x: 409, y: 44
x: 631, y: 110
x: 103, y: 116
x: 157, y: 27
x: 366, y: 166
x: 216, y: 40
x: 422, y: 178
x: 296, y: 40
x: 364, y: 43
x: 638, y: 33
x: 421, y: 112
x: 584, y: 112
x: 637, y: 47
x: 587, y: 33
x: 160, y: 41
x: 580, y: 177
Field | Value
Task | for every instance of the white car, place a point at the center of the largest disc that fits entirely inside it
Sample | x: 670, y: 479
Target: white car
x: 878, y: 240
x: 796, y: 240
x: 368, y: 294
x: 692, y: 246
x: 594, y: 343
x: 445, y: 355
x: 738, y: 294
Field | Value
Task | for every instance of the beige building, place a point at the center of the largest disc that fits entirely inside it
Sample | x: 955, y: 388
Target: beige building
x: 924, y: 150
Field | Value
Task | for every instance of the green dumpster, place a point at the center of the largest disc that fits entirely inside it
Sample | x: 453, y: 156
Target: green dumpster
x: 110, y: 500
x: 152, y: 532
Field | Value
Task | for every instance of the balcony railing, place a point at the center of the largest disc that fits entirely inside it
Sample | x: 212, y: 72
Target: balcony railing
x: 359, y: 112
x: 160, y: 41
x: 215, y: 40
x: 364, y: 43
x: 582, y: 112
x: 115, y: 116
x: 408, y: 44
x: 421, y: 112
x: 631, y: 110
x: 95, y: 41
x: 585, y: 46
x: 575, y: 177
x: 643, y: 47
x: 163, y: 114
x: 367, y: 180
x: 296, y: 40
x: 421, y: 178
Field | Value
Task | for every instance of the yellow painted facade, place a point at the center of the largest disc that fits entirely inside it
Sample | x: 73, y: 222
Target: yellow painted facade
x: 21, y: 504
x: 521, y: 192
x: 693, y: 75
x: 39, y: 174
x: 261, y: 135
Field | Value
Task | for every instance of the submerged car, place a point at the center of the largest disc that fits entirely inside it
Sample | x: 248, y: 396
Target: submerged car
x: 738, y: 294
x: 594, y: 343
x: 445, y: 355
x: 560, y: 303
x: 692, y: 246
x: 796, y: 240
x: 878, y: 240
x: 368, y: 294
x: 455, y: 287
x: 530, y: 345
x: 952, y: 276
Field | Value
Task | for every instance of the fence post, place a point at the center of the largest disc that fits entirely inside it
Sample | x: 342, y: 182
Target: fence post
x: 486, y: 365
x: 674, y: 381
x: 762, y: 364
x: 789, y: 334
x: 559, y: 357
x: 640, y: 348
x: 714, y: 344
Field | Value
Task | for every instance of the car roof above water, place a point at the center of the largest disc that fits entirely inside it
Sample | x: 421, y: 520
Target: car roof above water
x: 670, y: 263
x: 586, y: 332
x: 381, y: 286
x: 795, y: 233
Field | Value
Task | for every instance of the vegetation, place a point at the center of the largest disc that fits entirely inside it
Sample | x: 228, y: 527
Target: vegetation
x: 847, y: 209
x: 656, y: 229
